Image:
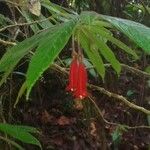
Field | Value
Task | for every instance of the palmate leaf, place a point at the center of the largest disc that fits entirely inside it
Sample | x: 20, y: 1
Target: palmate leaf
x: 92, y: 53
x: 137, y: 32
x: 47, y: 51
x: 22, y: 133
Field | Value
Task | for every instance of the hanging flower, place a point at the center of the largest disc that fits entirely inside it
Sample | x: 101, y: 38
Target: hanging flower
x: 81, y: 87
x: 73, y: 75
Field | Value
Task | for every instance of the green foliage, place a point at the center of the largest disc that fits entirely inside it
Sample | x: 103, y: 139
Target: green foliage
x: 117, y: 136
x: 21, y: 133
x: 92, y: 53
x: 104, y: 33
x: 47, y: 51
x: 93, y: 31
x: 135, y: 31
x: 94, y: 36
x: 130, y: 93
x: 16, y: 53
x: 29, y: 18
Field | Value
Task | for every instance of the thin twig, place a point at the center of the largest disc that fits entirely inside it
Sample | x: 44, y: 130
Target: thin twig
x: 24, y: 24
x: 130, y: 69
x: 13, y: 3
x: 115, y: 124
x: 120, y: 98
x: 7, y: 42
x: 136, y: 71
x: 109, y: 94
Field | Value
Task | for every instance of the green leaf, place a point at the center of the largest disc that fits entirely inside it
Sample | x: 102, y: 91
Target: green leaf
x: 16, y: 53
x: 137, y: 32
x: 47, y: 51
x: 101, y: 23
x: 88, y: 17
x: 103, y: 32
x: 130, y: 93
x: 21, y: 133
x: 20, y: 93
x: 109, y: 56
x: 29, y: 19
x: 58, y: 11
x: 105, y: 51
x: 45, y: 24
x: 117, y: 135
x: 92, y: 53
x: 89, y: 67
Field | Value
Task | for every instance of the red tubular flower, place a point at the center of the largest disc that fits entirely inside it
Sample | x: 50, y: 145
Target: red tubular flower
x: 73, y: 76
x: 81, y: 89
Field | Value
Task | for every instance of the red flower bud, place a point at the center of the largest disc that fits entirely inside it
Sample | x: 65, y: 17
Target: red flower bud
x: 73, y: 75
x: 81, y: 89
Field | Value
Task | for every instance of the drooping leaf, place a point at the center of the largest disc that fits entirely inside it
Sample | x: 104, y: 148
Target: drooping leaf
x: 92, y: 53
x: 104, y: 34
x: 137, y: 32
x: 109, y: 56
x: 22, y: 133
x: 105, y: 51
x: 16, y: 53
x: 47, y: 51
x: 89, y: 67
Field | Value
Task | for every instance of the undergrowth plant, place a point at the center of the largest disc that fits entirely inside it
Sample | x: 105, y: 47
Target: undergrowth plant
x: 92, y: 31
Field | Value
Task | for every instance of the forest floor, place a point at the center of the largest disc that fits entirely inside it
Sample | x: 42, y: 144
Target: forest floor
x: 63, y: 126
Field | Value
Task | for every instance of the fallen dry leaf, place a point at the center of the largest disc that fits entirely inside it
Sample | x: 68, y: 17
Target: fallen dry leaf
x: 93, y: 129
x: 46, y: 117
x: 63, y: 121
